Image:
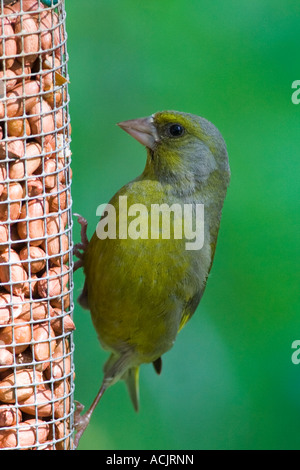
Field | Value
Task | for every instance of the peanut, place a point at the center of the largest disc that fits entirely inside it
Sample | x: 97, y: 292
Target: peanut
x: 32, y: 432
x: 10, y: 202
x: 20, y: 384
x: 4, y: 314
x: 63, y: 301
x: 43, y: 348
x: 28, y: 165
x: 11, y: 12
x: 8, y: 45
x: 36, y: 258
x: 31, y: 5
x: 41, y: 120
x: 19, y: 334
x: 50, y: 145
x: 62, y: 389
x: 40, y: 403
x: 54, y: 225
x: 34, y: 187
x: 59, y: 199
x: 60, y: 435
x: 48, y: 21
x: 5, y: 373
x: 53, y: 282
x: 9, y: 233
x: 40, y: 311
x: 17, y: 69
x: 64, y: 218
x: 9, y: 78
x: 25, y: 358
x: 9, y: 415
x: 16, y: 98
x: 61, y: 366
x: 54, y: 98
x: 48, y: 149
x: 53, y: 78
x: 28, y: 42
x: 61, y: 322
x: 10, y: 308
x: 2, y: 176
x: 29, y: 287
x: 37, y: 208
x: 16, y: 243
x: 61, y: 119
x: 50, y: 169
x: 12, y: 273
x: 3, y: 237
x: 14, y: 9
x: 47, y: 445
x: 12, y: 148
x: 18, y: 128
x: 6, y: 359
x: 57, y: 244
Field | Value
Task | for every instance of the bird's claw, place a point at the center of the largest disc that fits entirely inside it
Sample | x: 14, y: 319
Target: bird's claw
x: 80, y: 422
x: 79, y: 248
x: 77, y: 414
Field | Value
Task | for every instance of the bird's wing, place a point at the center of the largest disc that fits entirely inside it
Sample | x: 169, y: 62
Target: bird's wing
x: 193, y: 303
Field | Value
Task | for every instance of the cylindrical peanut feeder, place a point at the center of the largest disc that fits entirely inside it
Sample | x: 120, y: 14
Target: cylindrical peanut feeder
x: 36, y: 348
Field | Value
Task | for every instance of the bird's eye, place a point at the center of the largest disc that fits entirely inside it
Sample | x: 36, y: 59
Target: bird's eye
x: 176, y: 130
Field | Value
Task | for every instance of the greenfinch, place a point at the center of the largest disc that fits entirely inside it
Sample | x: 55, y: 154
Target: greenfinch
x: 142, y: 290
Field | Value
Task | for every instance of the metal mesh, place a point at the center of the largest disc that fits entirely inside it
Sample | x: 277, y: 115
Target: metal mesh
x: 36, y: 348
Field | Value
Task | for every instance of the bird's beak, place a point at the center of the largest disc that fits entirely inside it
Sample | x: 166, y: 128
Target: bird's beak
x: 143, y: 130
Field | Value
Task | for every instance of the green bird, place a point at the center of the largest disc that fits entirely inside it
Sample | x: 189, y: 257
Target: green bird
x: 141, y: 290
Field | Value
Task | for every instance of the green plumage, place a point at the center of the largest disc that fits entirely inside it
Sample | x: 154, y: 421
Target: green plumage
x: 142, y: 291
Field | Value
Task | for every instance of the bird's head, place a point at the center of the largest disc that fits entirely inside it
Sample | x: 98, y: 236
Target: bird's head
x: 183, y: 149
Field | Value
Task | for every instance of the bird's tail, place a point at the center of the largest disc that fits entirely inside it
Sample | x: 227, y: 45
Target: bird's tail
x: 132, y: 381
x: 120, y: 368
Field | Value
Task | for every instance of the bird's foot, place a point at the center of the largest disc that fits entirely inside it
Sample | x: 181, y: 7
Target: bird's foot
x: 80, y: 248
x: 79, y: 255
x: 77, y: 414
x: 81, y: 422
x: 84, y: 223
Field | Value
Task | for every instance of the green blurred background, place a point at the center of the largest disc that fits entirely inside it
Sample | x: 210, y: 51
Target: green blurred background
x: 229, y: 382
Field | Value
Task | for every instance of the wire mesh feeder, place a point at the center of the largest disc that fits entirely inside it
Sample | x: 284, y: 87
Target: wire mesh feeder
x: 36, y: 348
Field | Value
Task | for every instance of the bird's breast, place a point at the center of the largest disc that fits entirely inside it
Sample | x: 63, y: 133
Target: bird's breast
x: 139, y: 285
